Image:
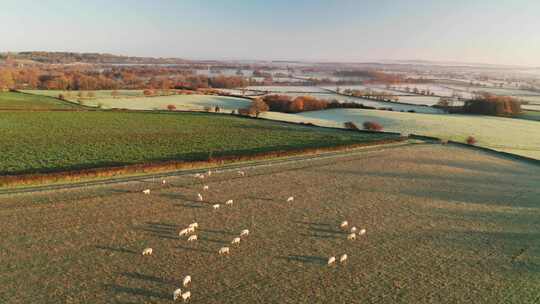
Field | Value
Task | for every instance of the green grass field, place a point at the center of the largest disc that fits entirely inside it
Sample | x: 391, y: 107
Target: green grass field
x: 135, y: 100
x: 530, y: 115
x: 444, y: 225
x: 17, y: 101
x: 56, y: 141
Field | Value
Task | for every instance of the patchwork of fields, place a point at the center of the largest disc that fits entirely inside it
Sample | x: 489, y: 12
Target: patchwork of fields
x: 444, y: 225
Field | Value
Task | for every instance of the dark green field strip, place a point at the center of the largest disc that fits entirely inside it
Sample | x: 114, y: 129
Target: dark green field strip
x: 22, y: 101
x: 38, y: 142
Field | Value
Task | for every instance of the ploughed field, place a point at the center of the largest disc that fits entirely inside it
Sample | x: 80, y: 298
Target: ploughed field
x: 58, y: 141
x: 444, y: 225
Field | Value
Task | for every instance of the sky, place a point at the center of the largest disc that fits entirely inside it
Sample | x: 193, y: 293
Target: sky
x: 475, y: 31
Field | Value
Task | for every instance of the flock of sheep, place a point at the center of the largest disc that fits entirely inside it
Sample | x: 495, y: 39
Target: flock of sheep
x: 190, y: 233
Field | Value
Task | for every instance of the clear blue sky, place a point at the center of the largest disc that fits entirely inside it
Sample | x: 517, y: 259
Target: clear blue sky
x: 485, y: 31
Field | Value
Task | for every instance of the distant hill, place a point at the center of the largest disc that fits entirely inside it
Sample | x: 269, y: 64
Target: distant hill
x: 91, y: 58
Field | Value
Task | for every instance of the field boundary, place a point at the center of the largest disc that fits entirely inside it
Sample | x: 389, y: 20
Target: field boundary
x: 201, y: 167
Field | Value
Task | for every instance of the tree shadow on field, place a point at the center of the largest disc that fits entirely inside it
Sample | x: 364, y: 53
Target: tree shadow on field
x: 122, y: 250
x: 187, y: 201
x: 307, y: 259
x: 204, y: 239
x: 312, y: 223
x: 137, y: 291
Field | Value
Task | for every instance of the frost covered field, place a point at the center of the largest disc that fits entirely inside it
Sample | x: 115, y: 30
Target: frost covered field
x: 517, y: 136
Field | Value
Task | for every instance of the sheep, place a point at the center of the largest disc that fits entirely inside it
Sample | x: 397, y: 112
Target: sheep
x: 199, y: 197
x: 147, y: 251
x: 205, y: 187
x: 194, y: 225
x: 163, y: 182
x: 190, y: 229
x: 290, y: 199
x: 351, y: 236
x: 186, y: 295
x: 353, y: 229
x: 343, y: 258
x: 362, y: 232
x: 186, y: 280
x: 344, y: 224
x: 229, y: 202
x: 146, y: 191
x: 244, y: 232
x: 183, y: 232
x: 177, y: 294
x: 192, y: 238
x: 331, y: 260
x: 216, y: 206
x: 241, y: 173
x: 236, y: 241
x: 197, y: 175
x: 224, y: 250
x: 209, y: 173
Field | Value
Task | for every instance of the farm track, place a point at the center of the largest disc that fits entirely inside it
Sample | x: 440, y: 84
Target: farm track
x: 228, y: 167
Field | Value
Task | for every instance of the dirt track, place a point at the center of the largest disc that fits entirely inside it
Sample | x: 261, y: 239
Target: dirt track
x: 445, y: 225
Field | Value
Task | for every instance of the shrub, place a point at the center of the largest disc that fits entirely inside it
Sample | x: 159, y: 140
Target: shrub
x: 350, y: 125
x: 372, y: 126
x: 171, y: 107
x: 217, y: 109
x: 207, y: 109
x: 61, y: 97
x: 148, y: 92
x: 471, y: 140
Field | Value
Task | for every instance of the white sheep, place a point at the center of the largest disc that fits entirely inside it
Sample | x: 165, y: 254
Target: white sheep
x: 209, y: 173
x: 190, y: 229
x: 163, y: 182
x: 192, y: 238
x: 186, y: 295
x: 229, y: 202
x: 241, y: 173
x: 197, y: 175
x: 362, y: 232
x: 186, y: 280
x: 331, y: 260
x: 216, y: 206
x: 183, y: 232
x: 351, y: 236
x: 224, y: 250
x: 244, y: 232
x: 205, y: 187
x: 199, y: 197
x: 177, y: 294
x: 147, y: 251
x: 353, y: 229
x: 236, y: 241
x: 343, y: 258
x: 290, y: 199
x: 344, y: 224
x: 194, y: 225
x: 146, y: 191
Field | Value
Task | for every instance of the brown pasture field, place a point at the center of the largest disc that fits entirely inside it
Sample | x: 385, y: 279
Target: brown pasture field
x: 444, y: 225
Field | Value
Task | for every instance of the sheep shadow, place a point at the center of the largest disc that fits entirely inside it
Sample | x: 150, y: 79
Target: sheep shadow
x: 319, y: 236
x: 319, y: 230
x: 204, y: 239
x: 217, y: 232
x: 194, y: 249
x: 137, y: 291
x: 161, y: 230
x: 144, y: 277
x: 121, y: 250
x: 306, y: 259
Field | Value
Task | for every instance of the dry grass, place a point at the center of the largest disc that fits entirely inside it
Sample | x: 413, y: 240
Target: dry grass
x: 445, y: 225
